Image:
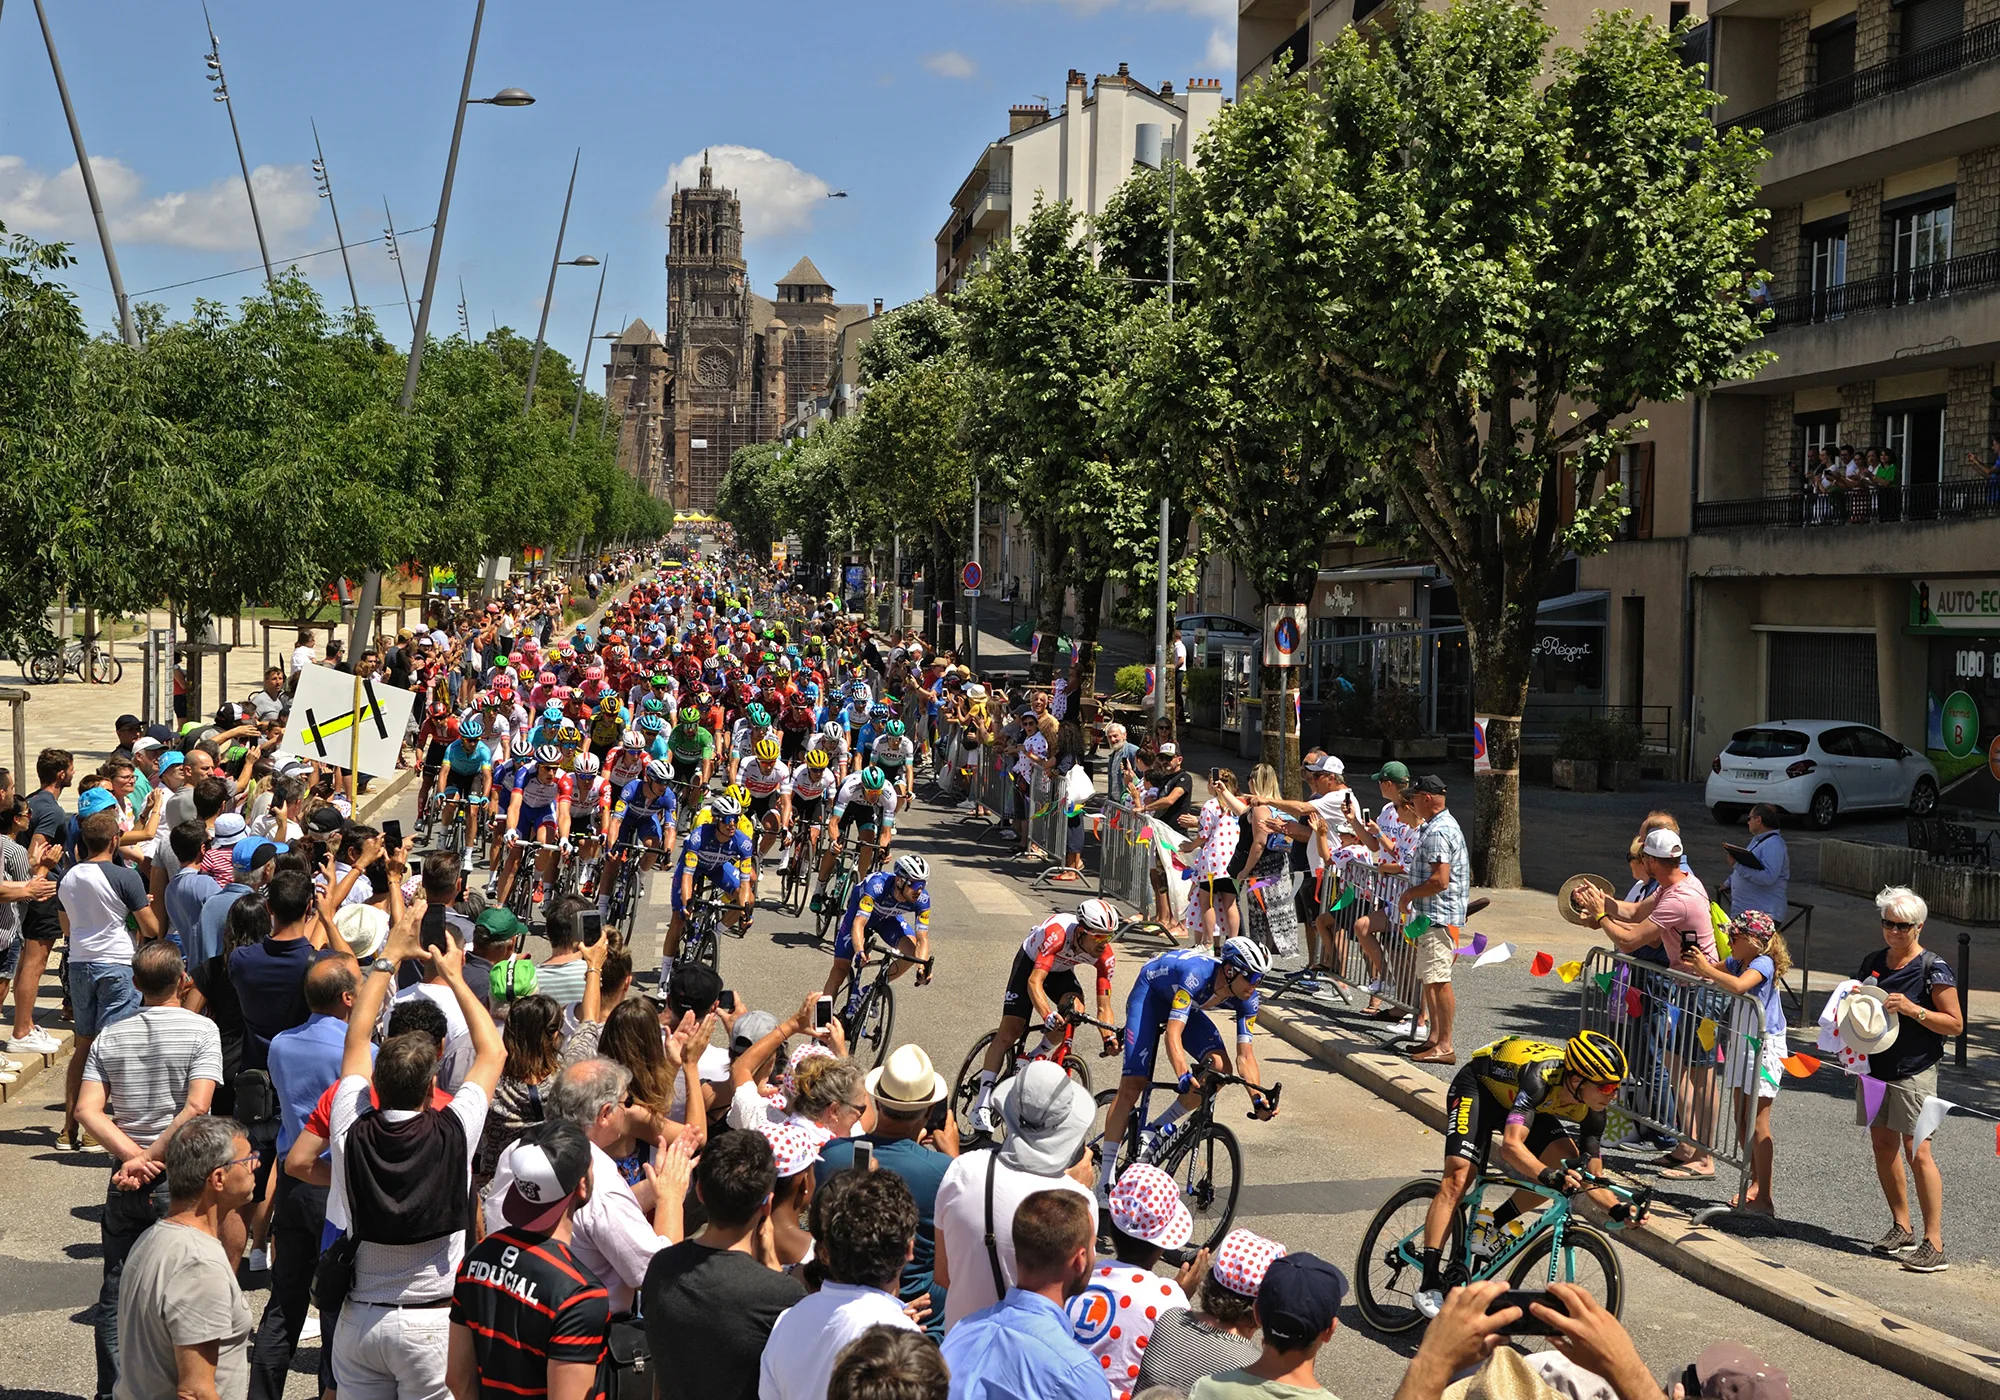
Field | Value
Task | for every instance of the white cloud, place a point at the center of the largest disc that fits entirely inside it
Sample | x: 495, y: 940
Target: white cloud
x: 777, y: 196
x: 950, y: 64
x: 212, y: 218
x: 1220, y: 56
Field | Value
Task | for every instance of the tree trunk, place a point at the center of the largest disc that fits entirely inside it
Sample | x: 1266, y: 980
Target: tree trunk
x: 1502, y: 651
x: 1090, y: 614
x: 1280, y: 739
x: 1052, y: 577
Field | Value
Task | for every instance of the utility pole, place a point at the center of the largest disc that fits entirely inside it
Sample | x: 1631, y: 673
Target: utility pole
x: 125, y: 324
x: 1162, y: 677
x: 325, y: 182
x: 396, y: 257
x: 972, y: 645
x: 222, y: 96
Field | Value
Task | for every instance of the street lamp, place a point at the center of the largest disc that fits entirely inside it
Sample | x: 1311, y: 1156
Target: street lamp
x: 549, y: 295
x: 396, y: 257
x: 324, y: 183
x: 506, y: 97
x: 583, y: 365
x: 214, y: 58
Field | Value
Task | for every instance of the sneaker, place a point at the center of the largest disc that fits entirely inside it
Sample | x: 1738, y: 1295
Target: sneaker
x: 35, y: 1042
x: 1376, y: 987
x: 968, y: 806
x: 1429, y: 1301
x: 1926, y: 1258
x: 259, y: 1262
x: 986, y: 1119
x: 12, y: 1066
x: 1899, y: 1240
x: 8, y: 1076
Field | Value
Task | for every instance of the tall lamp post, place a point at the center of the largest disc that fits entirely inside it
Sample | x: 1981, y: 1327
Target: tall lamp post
x: 549, y: 295
x: 214, y: 57
x: 125, y: 324
x: 325, y: 183
x: 395, y: 250
x: 371, y: 585
x: 590, y: 342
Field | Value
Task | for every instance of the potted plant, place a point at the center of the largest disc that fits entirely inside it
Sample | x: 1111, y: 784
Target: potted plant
x: 1575, y: 767
x: 1349, y: 728
x: 1618, y: 754
x: 1398, y: 718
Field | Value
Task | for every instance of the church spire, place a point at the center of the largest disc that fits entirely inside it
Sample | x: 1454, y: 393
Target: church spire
x: 705, y: 180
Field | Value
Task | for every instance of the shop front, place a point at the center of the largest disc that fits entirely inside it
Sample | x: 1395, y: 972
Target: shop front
x: 1960, y: 619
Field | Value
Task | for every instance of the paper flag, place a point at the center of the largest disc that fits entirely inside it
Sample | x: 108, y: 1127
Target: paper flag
x: 1933, y: 1113
x: 1800, y: 1066
x: 1996, y: 1139
x: 1705, y: 1033
x: 1498, y: 953
x: 1634, y: 1003
x: 1471, y: 949
x: 1541, y: 965
x: 1873, y: 1091
x: 1417, y: 927
x: 1764, y: 1073
x: 1346, y: 898
x: 1570, y: 971
x: 1603, y: 981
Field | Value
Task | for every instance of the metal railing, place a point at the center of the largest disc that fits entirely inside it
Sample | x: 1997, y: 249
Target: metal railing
x: 1931, y: 500
x: 1696, y: 1053
x: 1979, y: 44
x: 1907, y: 286
x: 1545, y: 715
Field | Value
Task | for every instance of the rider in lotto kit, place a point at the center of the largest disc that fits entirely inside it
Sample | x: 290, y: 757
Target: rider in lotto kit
x: 716, y: 852
x: 539, y: 810
x: 894, y: 905
x: 1043, y: 981
x: 1169, y: 1001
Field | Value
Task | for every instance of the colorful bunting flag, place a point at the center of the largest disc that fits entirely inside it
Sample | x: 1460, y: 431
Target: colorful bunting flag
x: 1705, y: 1033
x: 1800, y: 1066
x: 1417, y: 927
x: 1570, y: 971
x: 1498, y: 953
x: 1603, y: 981
x: 1873, y: 1091
x: 1932, y: 1114
x: 1634, y: 1003
x: 1541, y: 965
x: 1345, y: 898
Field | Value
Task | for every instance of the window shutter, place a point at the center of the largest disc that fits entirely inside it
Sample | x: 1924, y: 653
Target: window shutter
x: 1642, y: 508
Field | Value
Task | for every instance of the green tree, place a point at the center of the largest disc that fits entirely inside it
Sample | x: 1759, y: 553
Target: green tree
x: 1497, y: 251
x: 750, y: 496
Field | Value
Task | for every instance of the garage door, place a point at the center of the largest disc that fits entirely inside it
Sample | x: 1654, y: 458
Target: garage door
x: 1823, y: 675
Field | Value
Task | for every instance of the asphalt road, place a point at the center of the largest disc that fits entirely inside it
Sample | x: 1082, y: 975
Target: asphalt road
x: 1314, y: 1176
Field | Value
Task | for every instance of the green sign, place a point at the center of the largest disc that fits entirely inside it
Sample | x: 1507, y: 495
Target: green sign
x: 1971, y: 604
x: 1960, y: 725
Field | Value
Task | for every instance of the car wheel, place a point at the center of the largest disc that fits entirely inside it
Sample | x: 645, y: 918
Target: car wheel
x: 1726, y: 814
x: 1825, y: 805
x: 1923, y: 798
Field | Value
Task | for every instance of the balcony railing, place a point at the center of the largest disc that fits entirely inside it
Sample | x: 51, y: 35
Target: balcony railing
x: 1924, y: 501
x: 1978, y: 44
x: 1891, y: 289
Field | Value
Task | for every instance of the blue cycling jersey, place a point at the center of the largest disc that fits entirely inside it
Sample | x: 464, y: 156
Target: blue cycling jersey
x: 633, y: 806
x: 1175, y: 984
x: 709, y: 848
x: 877, y: 895
x: 461, y: 759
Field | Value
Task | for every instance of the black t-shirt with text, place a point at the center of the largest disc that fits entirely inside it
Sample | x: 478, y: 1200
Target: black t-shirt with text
x: 527, y: 1301
x: 1180, y: 787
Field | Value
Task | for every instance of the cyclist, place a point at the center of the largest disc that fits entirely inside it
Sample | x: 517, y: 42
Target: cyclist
x: 538, y: 811
x: 813, y: 784
x: 588, y: 805
x: 691, y: 750
x: 520, y: 757
x: 433, y: 736
x: 467, y: 771
x: 769, y: 784
x: 745, y: 735
x: 893, y: 753
x: 893, y: 904
x: 1042, y: 981
x: 864, y: 802
x: 1552, y: 1101
x: 1170, y: 1000
x: 624, y: 764
x: 714, y: 853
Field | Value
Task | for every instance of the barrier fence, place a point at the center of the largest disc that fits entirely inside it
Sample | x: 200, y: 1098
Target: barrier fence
x: 1382, y: 955
x: 1697, y: 1054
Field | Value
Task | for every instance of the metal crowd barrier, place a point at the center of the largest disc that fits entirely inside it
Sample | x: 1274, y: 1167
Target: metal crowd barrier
x: 1693, y: 1049
x: 1375, y: 893
x: 1124, y: 862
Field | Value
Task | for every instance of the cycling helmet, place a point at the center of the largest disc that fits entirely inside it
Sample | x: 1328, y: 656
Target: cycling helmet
x: 552, y: 712
x: 569, y: 734
x: 1247, y: 956
x: 660, y: 678
x: 651, y: 724
x: 632, y: 739
x: 1096, y: 916
x: 895, y: 729
x: 548, y: 753
x: 439, y: 709
x: 1595, y: 1056
x: 817, y: 757
x: 690, y: 716
x: 759, y: 716
x: 725, y: 808
x: 738, y: 794
x: 653, y: 705
x: 914, y: 869
x: 659, y: 772
x: 522, y: 747
x: 451, y: 730
x: 586, y: 763
x: 834, y: 729
x: 471, y: 728
x: 873, y: 778
x: 767, y: 751
x: 880, y: 713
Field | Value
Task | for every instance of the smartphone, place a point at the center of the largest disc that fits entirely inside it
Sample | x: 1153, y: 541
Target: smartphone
x: 590, y: 926
x: 1527, y: 1324
x: 416, y: 868
x: 822, y: 1013
x: 392, y: 834
x: 727, y: 1001
x: 864, y: 1156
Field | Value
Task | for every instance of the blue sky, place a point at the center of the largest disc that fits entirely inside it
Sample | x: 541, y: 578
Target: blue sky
x: 889, y: 100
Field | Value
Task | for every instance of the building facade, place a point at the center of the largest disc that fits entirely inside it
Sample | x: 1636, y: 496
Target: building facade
x: 1082, y: 152
x: 733, y: 367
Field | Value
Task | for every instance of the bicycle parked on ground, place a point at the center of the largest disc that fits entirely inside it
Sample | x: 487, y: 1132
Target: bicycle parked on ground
x: 965, y: 1090
x: 868, y: 1013
x: 85, y: 660
x: 1201, y: 1154
x: 1555, y: 1247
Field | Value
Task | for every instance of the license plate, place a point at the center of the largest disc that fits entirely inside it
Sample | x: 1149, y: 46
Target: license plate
x: 1758, y: 774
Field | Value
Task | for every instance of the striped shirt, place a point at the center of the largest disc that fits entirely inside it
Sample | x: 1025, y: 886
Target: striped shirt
x: 1181, y: 1351
x: 527, y: 1302
x: 145, y: 1063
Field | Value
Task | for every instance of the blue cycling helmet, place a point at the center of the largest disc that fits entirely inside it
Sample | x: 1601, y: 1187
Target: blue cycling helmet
x: 651, y: 724
x: 880, y: 713
x: 552, y: 712
x: 472, y: 728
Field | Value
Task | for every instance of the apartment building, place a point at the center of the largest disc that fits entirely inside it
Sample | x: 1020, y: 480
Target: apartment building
x: 1082, y: 152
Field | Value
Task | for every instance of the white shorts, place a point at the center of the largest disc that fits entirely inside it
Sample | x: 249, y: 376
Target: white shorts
x: 1435, y: 955
x: 1765, y: 1070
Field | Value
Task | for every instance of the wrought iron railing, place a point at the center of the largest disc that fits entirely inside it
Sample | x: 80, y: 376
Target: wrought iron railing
x: 1906, y: 287
x: 1979, y: 44
x: 1923, y: 501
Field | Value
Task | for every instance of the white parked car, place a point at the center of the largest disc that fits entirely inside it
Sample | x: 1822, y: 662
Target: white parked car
x: 1818, y: 768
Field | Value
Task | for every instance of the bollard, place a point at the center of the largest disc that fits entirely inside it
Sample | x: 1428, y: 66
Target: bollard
x: 1964, y: 994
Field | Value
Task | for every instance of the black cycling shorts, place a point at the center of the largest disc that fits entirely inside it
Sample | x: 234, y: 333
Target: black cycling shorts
x: 865, y: 815
x: 1056, y: 986
x: 807, y: 811
x: 1472, y: 1113
x: 434, y: 756
x: 760, y: 805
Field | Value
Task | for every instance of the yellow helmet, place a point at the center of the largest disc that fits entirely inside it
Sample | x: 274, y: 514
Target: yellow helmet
x: 817, y: 757
x: 767, y: 750
x: 740, y: 793
x: 1595, y: 1056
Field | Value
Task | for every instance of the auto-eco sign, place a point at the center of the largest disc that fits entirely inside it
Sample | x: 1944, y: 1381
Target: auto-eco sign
x: 1956, y: 605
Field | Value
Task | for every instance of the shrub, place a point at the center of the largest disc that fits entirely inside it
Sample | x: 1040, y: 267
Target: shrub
x: 1204, y: 687
x: 1351, y: 711
x: 1598, y: 739
x: 1397, y: 713
x: 1130, y: 680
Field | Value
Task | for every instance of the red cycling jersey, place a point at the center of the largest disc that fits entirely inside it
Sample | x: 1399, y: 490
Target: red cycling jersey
x: 1054, y: 947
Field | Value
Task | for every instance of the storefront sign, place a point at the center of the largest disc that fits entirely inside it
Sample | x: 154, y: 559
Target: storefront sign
x: 1971, y: 604
x: 1556, y: 648
x: 1962, y: 728
x: 1337, y: 597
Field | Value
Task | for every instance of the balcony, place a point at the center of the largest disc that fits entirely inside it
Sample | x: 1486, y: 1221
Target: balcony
x: 990, y: 203
x: 1906, y: 288
x: 1844, y: 514
x: 1979, y: 44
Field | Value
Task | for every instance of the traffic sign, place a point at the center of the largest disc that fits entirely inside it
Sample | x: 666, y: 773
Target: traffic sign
x: 1284, y: 634
x: 971, y: 575
x: 323, y: 720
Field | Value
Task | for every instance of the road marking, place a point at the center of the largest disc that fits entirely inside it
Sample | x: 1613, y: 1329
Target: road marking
x: 989, y: 896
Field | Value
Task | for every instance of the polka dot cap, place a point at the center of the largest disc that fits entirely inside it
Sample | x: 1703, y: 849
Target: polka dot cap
x: 1240, y: 1263
x: 793, y: 1146
x: 1146, y: 1205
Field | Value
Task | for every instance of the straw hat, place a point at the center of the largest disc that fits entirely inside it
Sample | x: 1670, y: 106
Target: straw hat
x: 1865, y: 1023
x: 1566, y: 897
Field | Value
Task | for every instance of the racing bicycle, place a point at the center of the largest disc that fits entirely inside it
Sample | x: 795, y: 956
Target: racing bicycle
x: 1555, y: 1247
x: 701, y: 932
x: 833, y: 898
x: 1201, y: 1154
x: 521, y: 898
x: 800, y: 866
x: 868, y: 1013
x: 965, y: 1090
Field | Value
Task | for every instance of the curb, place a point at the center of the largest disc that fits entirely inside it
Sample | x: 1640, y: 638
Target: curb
x: 32, y: 1066
x: 1909, y: 1348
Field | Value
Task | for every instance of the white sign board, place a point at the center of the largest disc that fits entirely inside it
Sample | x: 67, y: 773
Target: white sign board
x: 697, y: 442
x: 323, y: 725
x: 1284, y: 635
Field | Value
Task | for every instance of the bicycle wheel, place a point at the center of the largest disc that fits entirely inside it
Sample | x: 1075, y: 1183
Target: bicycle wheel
x: 105, y: 669
x: 45, y: 669
x: 1589, y: 1261
x: 1389, y: 1268
x: 832, y: 905
x: 874, y: 1021
x: 965, y: 1089
x: 1077, y: 1068
x: 1208, y: 1166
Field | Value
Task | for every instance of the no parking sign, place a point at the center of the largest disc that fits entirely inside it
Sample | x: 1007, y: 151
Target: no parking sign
x: 1284, y: 635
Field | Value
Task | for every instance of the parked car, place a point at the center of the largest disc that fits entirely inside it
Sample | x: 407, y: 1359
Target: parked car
x: 1191, y: 623
x: 1818, y: 768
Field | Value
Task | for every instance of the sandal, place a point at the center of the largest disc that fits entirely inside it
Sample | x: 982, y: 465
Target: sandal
x: 1688, y: 1174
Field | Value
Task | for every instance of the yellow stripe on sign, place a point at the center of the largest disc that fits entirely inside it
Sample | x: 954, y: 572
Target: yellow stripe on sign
x: 318, y: 734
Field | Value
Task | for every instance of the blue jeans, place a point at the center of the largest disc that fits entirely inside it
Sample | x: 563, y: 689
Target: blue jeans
x: 101, y: 994
x: 127, y: 1215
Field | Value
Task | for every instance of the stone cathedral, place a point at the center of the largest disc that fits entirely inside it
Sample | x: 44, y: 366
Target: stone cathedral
x: 731, y: 367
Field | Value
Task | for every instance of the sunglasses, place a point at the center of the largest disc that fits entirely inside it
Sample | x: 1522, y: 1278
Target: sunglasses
x: 1897, y: 924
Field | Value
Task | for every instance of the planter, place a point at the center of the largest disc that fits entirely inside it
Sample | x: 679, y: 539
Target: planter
x: 1354, y: 746
x: 1428, y: 749
x: 1964, y: 894
x: 1864, y: 867
x: 1575, y: 774
x: 1619, y: 775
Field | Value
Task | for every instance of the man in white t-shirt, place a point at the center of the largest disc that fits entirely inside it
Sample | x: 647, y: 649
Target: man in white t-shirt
x: 96, y: 897
x: 1048, y: 1117
x: 1180, y: 664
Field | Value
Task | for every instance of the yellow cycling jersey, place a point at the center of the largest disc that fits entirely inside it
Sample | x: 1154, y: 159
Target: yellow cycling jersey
x: 1523, y: 1075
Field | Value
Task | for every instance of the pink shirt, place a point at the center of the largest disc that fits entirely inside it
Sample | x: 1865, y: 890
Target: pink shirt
x: 1681, y: 912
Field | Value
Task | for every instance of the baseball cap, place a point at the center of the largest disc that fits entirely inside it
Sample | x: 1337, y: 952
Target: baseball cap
x: 496, y: 924
x: 1243, y: 1259
x: 1430, y: 783
x: 547, y: 1162
x: 326, y: 821
x: 146, y: 744
x: 1393, y: 772
x: 1662, y: 844
x: 98, y: 799
x: 751, y: 1027
x: 173, y: 758
x: 1146, y: 1205
x: 794, y: 1145
x: 127, y: 722
x: 1169, y: 750
x: 1299, y: 1298
x: 228, y: 831
x: 253, y: 851
x: 1326, y: 763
